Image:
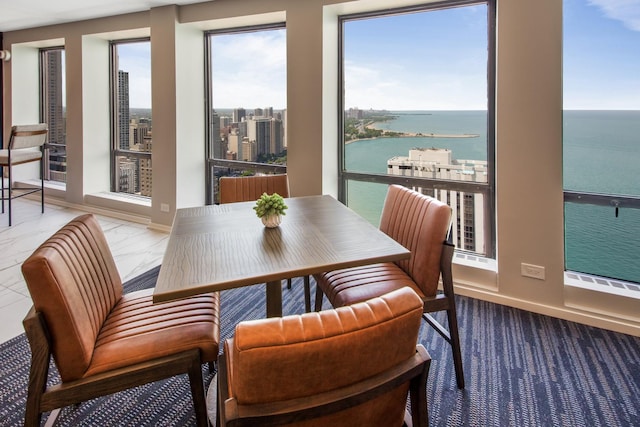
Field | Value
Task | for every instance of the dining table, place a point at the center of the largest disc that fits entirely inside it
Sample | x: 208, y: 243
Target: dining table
x: 218, y: 247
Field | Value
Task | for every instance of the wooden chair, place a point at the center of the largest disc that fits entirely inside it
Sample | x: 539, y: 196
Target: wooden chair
x: 249, y: 188
x: 354, y: 366
x: 26, y: 145
x: 421, y: 224
x: 104, y: 341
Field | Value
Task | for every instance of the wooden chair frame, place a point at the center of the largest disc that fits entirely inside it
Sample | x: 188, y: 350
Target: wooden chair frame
x: 446, y: 301
x: 440, y: 302
x: 415, y: 370
x: 42, y: 399
x: 24, y: 191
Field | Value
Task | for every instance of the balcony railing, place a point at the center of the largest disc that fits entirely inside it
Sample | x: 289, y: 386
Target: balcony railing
x: 469, y: 187
x: 615, y: 201
x: 601, y: 235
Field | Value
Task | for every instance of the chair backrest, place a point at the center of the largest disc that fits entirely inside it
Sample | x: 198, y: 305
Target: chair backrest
x: 419, y: 223
x: 248, y: 188
x: 74, y: 283
x: 278, y: 359
x: 28, y: 136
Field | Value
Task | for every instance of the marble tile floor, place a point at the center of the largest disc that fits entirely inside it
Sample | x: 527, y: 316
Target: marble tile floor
x: 135, y: 249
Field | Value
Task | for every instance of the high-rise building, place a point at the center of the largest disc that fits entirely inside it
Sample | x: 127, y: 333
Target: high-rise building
x: 235, y: 143
x: 249, y: 152
x: 467, y: 208
x: 283, y: 117
x: 277, y: 132
x: 259, y: 131
x: 225, y: 121
x: 239, y: 114
x: 138, y: 129
x: 145, y: 175
x: 56, y: 163
x: 355, y: 113
x: 123, y: 110
x: 127, y: 175
x: 217, y: 148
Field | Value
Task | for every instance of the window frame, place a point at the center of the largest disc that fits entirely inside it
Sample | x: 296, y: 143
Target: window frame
x: 211, y: 184
x: 43, y: 109
x: 115, y: 150
x: 486, y: 189
x: 588, y: 263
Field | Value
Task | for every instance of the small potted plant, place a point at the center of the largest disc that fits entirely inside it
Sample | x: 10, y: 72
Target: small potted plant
x: 270, y: 208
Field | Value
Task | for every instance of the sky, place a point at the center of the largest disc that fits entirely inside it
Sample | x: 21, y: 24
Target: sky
x: 135, y: 58
x: 602, y: 54
x: 249, y: 70
x: 425, y: 61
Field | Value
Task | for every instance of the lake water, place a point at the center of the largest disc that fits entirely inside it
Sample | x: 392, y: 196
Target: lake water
x: 601, y: 154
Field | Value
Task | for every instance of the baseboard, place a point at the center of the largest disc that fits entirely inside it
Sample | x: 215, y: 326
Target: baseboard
x: 139, y: 219
x: 570, y: 313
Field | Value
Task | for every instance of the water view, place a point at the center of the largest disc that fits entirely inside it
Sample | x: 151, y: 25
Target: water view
x: 601, y: 154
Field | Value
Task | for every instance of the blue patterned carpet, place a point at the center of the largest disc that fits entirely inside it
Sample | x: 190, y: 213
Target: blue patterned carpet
x: 521, y: 369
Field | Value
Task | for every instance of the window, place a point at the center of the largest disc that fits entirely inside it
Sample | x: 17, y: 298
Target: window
x: 418, y: 111
x: 601, y: 124
x: 131, y: 122
x: 246, y: 103
x: 53, y: 112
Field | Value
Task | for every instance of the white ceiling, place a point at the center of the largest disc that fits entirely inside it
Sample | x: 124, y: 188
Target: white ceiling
x: 20, y: 14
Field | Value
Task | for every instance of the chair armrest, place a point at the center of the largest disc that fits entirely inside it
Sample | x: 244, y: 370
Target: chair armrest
x: 234, y: 414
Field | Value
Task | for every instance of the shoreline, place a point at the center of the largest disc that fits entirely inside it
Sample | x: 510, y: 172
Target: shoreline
x: 401, y: 134
x: 417, y: 135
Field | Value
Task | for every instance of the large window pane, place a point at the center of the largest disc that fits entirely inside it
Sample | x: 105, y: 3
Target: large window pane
x: 132, y: 119
x: 247, y: 103
x: 417, y: 104
x: 601, y: 124
x: 53, y: 103
x: 598, y: 243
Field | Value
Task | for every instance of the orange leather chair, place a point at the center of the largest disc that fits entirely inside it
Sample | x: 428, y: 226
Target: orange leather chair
x: 250, y: 188
x: 421, y: 224
x: 104, y: 341
x: 353, y: 367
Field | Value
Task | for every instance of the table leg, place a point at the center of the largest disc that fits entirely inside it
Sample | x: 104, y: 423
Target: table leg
x: 274, y: 299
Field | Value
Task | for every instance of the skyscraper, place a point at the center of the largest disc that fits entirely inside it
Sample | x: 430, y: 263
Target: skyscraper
x: 277, y: 132
x: 259, y: 131
x: 239, y: 114
x: 145, y: 174
x: 53, y: 112
x: 217, y: 146
x: 123, y: 110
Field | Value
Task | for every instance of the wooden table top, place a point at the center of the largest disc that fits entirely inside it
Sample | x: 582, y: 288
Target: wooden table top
x: 219, y: 247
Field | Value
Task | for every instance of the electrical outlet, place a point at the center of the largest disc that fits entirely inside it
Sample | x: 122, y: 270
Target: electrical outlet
x: 533, y: 271
x: 164, y: 207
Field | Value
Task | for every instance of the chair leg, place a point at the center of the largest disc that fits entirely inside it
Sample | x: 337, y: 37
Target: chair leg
x: 197, y: 393
x: 455, y: 345
x: 307, y: 294
x: 3, y: 189
x: 39, y: 370
x: 42, y: 183
x: 9, y: 185
x: 288, y: 283
x: 319, y: 296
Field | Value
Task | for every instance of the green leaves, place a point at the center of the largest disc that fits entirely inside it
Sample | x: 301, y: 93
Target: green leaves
x: 270, y: 204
